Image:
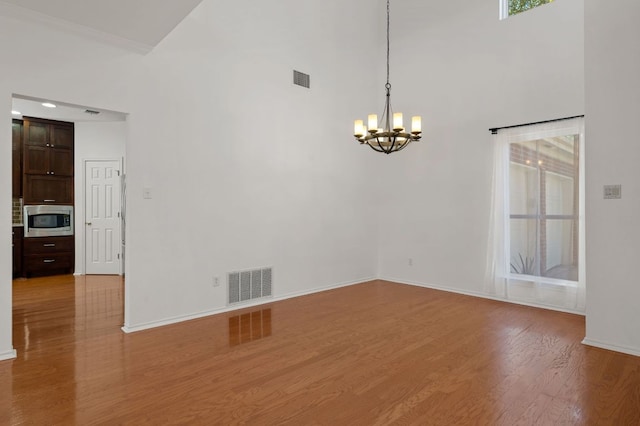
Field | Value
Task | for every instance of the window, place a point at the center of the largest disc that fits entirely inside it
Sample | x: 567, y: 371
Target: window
x: 513, y: 7
x: 536, y: 240
x: 544, y: 200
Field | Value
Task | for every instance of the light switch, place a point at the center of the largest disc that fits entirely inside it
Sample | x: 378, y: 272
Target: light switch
x: 146, y: 193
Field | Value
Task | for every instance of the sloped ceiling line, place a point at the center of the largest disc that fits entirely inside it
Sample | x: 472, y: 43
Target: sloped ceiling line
x: 135, y: 25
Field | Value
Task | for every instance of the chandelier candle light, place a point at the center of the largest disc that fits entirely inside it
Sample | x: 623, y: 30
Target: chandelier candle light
x: 392, y: 136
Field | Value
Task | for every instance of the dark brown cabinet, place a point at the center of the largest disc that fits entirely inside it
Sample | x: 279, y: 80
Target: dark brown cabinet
x: 39, y: 189
x: 16, y: 158
x: 17, y: 250
x: 48, y: 256
x: 47, y: 161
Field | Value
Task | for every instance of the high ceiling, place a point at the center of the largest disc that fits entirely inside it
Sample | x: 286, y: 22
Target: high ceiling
x: 136, y: 24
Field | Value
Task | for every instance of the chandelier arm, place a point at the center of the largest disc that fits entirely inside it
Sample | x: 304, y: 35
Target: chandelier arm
x: 376, y: 149
x: 403, y: 146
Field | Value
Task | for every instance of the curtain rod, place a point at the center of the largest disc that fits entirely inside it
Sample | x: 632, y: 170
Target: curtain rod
x: 494, y: 130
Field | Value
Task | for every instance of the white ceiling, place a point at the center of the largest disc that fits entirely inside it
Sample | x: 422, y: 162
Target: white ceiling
x: 137, y: 24
x: 32, y: 107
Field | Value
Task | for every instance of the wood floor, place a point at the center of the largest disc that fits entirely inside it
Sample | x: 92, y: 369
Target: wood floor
x: 372, y: 354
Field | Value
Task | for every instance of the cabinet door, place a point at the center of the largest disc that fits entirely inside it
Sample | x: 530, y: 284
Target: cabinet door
x: 35, y: 133
x: 60, y: 162
x: 43, y: 189
x: 61, y: 136
x: 16, y: 158
x: 36, y: 160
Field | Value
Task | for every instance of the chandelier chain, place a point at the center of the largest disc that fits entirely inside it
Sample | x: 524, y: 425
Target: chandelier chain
x: 388, y: 85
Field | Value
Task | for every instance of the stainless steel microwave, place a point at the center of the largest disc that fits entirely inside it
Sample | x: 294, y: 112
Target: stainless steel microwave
x: 48, y: 221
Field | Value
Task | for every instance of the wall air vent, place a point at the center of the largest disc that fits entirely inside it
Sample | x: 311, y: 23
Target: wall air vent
x: 301, y: 79
x: 249, y: 285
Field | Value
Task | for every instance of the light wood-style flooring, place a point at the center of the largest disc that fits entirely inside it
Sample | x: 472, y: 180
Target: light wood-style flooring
x: 377, y: 353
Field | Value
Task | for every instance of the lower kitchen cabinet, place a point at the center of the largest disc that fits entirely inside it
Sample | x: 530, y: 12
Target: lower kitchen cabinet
x: 48, y: 256
x: 17, y: 233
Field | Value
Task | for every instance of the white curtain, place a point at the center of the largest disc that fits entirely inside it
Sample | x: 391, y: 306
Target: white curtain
x: 500, y: 280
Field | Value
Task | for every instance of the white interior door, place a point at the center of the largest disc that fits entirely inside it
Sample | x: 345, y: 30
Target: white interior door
x: 102, y: 217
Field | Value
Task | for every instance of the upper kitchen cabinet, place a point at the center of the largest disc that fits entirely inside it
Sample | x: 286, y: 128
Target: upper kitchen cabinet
x: 16, y: 158
x: 48, y: 147
x: 47, y: 161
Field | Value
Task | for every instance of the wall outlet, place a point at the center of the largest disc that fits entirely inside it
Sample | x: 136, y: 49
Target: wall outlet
x: 216, y: 281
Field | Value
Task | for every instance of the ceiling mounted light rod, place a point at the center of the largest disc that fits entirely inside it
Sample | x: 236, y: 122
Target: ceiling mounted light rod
x: 391, y: 137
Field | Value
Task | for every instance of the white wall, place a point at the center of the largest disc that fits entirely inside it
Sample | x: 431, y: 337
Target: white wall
x: 612, y: 63
x: 465, y: 71
x: 6, y: 314
x: 286, y: 186
x: 93, y: 141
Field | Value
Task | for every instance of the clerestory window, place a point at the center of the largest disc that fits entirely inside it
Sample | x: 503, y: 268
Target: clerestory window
x: 513, y: 7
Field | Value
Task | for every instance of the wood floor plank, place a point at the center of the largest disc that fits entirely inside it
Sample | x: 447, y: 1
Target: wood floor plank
x: 377, y: 353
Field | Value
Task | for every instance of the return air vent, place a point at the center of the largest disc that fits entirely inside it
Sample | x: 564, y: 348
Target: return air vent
x: 301, y: 79
x: 249, y: 285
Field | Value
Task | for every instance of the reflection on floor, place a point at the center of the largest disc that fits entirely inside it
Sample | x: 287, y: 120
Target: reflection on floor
x: 373, y: 353
x: 250, y: 326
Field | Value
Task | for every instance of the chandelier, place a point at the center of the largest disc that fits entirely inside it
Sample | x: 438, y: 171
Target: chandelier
x: 392, y: 136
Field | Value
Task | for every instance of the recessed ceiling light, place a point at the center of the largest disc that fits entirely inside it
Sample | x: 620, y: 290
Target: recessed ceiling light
x: 14, y: 112
x: 48, y: 105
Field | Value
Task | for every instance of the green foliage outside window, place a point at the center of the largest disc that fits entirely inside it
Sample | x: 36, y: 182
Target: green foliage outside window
x: 517, y: 6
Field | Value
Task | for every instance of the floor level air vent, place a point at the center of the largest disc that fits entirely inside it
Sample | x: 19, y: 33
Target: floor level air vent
x: 249, y: 285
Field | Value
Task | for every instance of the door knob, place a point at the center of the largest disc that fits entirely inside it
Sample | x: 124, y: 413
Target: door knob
x: 88, y: 223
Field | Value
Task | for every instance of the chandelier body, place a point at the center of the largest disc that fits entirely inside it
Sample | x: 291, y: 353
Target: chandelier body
x: 392, y: 136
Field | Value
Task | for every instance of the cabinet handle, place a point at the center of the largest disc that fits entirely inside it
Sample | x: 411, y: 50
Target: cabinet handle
x: 52, y: 173
x: 47, y: 144
x: 49, y: 245
x: 51, y: 145
x: 49, y: 201
x: 49, y: 260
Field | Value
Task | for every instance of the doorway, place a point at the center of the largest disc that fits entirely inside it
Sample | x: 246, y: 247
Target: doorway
x: 99, y: 134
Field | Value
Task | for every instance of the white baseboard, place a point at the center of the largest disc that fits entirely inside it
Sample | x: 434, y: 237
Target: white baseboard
x: 235, y: 307
x: 611, y: 347
x: 8, y: 355
x: 482, y: 295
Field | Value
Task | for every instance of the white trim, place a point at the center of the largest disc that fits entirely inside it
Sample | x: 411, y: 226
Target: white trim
x: 483, y: 296
x: 611, y: 347
x: 8, y: 355
x: 235, y: 307
x: 503, y: 12
x: 29, y: 15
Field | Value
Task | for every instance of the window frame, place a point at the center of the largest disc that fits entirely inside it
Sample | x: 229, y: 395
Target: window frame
x: 504, y: 8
